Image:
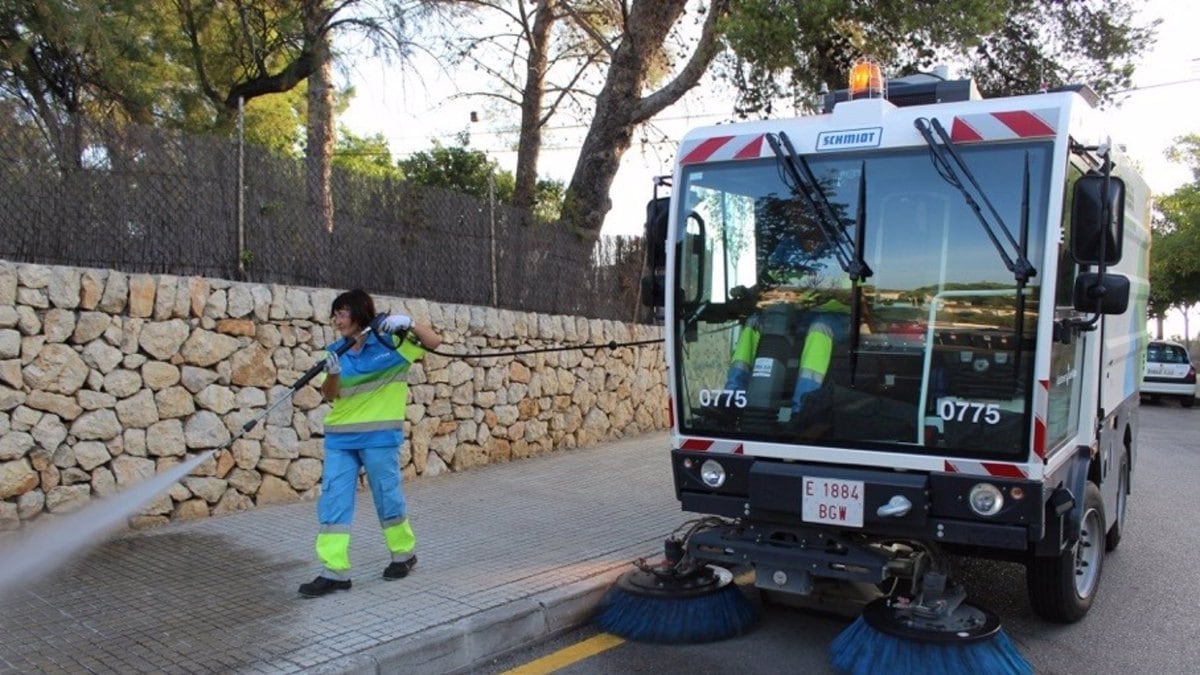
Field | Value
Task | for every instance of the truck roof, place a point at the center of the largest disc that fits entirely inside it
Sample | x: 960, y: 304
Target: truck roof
x: 877, y: 123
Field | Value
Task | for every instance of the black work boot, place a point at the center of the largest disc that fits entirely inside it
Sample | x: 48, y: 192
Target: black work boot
x: 323, y: 586
x: 399, y: 568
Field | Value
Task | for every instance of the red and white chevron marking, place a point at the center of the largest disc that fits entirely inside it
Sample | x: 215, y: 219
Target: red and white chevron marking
x: 998, y: 469
x: 1004, y: 125
x: 722, y: 148
x: 705, y: 445
x: 1041, y: 403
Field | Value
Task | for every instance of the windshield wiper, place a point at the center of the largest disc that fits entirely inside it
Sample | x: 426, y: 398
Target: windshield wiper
x: 856, y: 291
x: 1020, y: 318
x: 953, y: 169
x: 804, y: 182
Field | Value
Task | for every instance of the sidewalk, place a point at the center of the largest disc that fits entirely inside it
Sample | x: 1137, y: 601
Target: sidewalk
x: 507, y: 553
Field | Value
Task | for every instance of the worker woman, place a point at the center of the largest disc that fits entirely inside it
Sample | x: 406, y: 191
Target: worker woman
x: 364, y: 429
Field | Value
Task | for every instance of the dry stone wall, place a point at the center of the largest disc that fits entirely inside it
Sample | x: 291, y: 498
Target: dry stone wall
x: 107, y: 378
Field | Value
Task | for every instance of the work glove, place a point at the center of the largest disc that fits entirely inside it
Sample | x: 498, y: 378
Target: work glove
x: 394, y: 323
x: 333, y: 364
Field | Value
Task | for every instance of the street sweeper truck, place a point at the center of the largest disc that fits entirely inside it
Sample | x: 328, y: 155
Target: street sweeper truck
x: 901, y: 332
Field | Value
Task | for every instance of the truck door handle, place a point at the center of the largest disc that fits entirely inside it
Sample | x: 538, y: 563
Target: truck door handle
x: 896, y: 507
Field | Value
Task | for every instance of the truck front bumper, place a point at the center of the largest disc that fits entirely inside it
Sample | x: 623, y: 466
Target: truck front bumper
x: 768, y: 499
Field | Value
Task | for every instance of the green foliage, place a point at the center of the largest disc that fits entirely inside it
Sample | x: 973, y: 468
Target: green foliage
x: 550, y: 194
x: 365, y: 156
x: 1052, y: 43
x: 469, y: 171
x: 1174, y: 265
x: 277, y: 122
x: 796, y: 47
x: 177, y: 65
x: 1186, y: 150
x: 101, y: 57
x: 456, y: 168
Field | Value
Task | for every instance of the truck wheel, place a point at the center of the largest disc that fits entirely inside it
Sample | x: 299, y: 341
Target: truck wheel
x: 1113, y: 538
x: 1062, y: 588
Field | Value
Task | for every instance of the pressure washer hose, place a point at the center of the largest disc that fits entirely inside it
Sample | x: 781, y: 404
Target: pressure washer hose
x: 347, y: 344
x: 611, y: 344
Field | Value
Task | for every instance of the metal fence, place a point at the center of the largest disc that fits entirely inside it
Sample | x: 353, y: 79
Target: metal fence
x: 147, y: 200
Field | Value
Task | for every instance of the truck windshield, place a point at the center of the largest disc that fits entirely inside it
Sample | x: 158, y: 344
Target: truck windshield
x: 931, y: 353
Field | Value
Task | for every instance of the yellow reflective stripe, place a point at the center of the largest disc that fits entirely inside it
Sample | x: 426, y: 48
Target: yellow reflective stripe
x: 747, y: 346
x: 333, y: 550
x: 368, y: 387
x: 818, y: 350
x: 400, y: 537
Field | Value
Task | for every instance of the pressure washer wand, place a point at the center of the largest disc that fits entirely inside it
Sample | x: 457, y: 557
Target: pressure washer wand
x: 304, y: 379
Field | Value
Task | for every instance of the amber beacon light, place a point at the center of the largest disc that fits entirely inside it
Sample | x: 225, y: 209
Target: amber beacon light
x: 866, y: 80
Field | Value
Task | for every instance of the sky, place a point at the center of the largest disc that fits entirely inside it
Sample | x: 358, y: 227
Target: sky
x: 411, y: 108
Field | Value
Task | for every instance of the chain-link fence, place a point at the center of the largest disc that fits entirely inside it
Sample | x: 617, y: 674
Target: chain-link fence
x: 146, y: 200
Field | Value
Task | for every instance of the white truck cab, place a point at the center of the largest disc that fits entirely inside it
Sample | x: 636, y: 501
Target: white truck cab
x: 908, y: 326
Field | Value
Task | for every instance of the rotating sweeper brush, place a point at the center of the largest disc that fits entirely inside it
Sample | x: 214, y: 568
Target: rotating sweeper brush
x: 934, y: 631
x: 676, y: 600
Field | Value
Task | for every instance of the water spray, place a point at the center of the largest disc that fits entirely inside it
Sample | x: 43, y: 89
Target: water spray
x: 46, y: 546
x: 50, y: 545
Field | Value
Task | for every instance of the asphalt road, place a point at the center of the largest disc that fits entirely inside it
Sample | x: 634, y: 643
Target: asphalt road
x: 1146, y: 618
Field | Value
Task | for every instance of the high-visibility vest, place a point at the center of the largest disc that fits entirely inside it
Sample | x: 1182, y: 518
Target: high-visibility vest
x: 373, y: 393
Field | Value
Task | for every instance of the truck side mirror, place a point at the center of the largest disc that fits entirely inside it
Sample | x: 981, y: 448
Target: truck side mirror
x: 658, y: 211
x: 654, y: 289
x: 1111, y: 291
x: 1096, y: 231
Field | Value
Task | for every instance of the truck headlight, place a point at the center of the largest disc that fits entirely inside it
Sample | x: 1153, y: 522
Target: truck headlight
x: 986, y: 499
x: 712, y: 473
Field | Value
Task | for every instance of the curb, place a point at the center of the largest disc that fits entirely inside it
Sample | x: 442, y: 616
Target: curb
x: 473, y: 640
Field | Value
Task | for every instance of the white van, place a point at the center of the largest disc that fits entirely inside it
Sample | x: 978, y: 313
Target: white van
x: 1169, y: 372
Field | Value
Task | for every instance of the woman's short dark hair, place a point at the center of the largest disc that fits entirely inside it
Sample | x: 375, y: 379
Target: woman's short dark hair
x: 360, y: 304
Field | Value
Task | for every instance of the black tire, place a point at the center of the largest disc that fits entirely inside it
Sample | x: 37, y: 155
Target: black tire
x: 1187, y: 401
x: 1113, y: 538
x: 1062, y: 588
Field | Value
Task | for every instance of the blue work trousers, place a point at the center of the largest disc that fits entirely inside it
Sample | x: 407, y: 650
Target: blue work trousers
x: 335, y: 508
x: 339, y: 482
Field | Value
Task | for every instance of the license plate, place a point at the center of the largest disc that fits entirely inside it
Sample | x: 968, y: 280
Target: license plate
x: 831, y: 501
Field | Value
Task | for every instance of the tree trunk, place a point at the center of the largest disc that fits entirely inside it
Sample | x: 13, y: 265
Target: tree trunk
x: 319, y: 137
x: 620, y: 107
x: 530, y: 146
x: 587, y: 202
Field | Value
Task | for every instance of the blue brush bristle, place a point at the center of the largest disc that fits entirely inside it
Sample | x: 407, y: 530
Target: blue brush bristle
x: 863, y: 650
x: 706, y: 618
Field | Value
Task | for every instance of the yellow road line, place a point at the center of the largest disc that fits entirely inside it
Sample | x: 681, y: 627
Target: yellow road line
x: 567, y: 656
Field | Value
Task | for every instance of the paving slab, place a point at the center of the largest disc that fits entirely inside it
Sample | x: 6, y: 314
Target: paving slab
x: 508, y: 554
